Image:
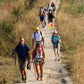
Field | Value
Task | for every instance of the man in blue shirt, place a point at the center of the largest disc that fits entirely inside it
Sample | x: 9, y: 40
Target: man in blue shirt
x: 22, y: 51
x: 55, y: 39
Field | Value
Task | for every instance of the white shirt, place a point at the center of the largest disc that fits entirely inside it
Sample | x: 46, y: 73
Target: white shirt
x: 39, y: 55
x: 38, y: 36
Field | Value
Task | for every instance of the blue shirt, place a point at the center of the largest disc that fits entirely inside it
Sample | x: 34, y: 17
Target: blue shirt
x: 55, y: 38
x: 22, y: 51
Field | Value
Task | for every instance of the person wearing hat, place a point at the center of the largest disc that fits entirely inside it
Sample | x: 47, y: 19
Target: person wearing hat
x: 38, y: 58
x: 37, y: 37
x: 55, y: 39
x: 23, y: 52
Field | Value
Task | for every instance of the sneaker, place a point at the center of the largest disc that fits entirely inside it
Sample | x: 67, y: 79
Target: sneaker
x: 58, y: 59
x: 43, y: 26
x: 41, y: 78
x: 37, y: 78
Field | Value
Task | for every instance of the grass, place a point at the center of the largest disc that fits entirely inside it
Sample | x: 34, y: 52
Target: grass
x: 70, y: 27
x: 18, y: 19
x: 8, y: 69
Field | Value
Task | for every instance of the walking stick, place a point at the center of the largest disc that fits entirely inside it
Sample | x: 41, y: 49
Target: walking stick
x: 34, y: 69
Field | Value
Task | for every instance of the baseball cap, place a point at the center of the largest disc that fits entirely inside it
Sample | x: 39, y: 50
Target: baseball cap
x: 55, y: 31
x: 37, y: 28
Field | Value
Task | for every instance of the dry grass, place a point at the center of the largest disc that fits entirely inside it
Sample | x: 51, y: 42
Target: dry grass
x: 24, y: 26
x: 71, y: 27
x: 78, y: 66
x: 8, y: 71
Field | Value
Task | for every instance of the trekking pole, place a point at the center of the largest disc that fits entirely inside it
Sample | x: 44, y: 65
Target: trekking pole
x: 34, y: 69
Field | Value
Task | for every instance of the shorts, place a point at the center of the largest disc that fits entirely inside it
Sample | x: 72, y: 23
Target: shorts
x: 22, y: 64
x: 38, y: 61
x: 42, y: 18
x: 56, y: 48
x: 50, y: 20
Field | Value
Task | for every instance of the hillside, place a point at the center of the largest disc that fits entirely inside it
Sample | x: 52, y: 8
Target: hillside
x: 18, y: 18
x: 70, y: 23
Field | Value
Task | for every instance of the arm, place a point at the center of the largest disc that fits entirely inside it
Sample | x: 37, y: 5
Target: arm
x: 15, y: 55
x: 44, y: 54
x: 33, y: 42
x: 43, y: 40
x: 59, y: 39
x: 33, y: 54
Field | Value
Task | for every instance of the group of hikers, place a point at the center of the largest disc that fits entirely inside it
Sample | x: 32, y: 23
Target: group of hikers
x: 38, y: 56
x: 49, y: 11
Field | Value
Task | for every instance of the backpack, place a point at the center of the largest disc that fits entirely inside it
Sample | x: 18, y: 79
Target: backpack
x: 35, y: 34
x: 36, y: 50
x: 57, y: 39
x: 25, y: 47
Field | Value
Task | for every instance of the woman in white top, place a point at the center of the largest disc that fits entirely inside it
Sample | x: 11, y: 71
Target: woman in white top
x: 38, y: 59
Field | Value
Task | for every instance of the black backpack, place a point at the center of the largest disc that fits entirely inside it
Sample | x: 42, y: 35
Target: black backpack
x: 18, y: 47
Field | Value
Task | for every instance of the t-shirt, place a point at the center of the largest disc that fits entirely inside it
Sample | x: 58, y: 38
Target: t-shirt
x: 50, y: 15
x: 53, y: 6
x: 48, y: 8
x: 38, y: 36
x: 22, y: 51
x: 55, y: 38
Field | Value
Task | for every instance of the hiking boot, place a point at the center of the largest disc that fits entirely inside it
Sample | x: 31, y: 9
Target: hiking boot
x: 25, y: 80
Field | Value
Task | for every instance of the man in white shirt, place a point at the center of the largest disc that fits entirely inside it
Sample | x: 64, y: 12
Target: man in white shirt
x: 37, y: 37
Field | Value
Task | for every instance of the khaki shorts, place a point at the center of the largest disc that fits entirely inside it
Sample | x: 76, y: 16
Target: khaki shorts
x: 37, y: 61
x: 22, y: 65
x: 56, y: 49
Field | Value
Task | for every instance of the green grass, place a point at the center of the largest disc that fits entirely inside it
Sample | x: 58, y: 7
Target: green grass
x: 6, y: 0
x: 75, y: 7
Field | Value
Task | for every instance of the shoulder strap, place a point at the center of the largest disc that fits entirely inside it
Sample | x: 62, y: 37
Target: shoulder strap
x: 18, y: 47
x: 41, y: 33
x: 52, y: 37
x: 25, y: 47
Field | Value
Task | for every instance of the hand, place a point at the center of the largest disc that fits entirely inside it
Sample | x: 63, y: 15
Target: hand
x: 33, y: 61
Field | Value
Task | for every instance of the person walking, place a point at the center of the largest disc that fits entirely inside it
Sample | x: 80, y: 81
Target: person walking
x: 53, y: 6
x: 38, y: 58
x: 37, y: 37
x: 50, y: 16
x: 48, y: 8
x: 23, y: 52
x: 42, y: 16
x: 55, y: 39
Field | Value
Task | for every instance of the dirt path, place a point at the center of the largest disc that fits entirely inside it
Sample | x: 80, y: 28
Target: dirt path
x: 54, y: 71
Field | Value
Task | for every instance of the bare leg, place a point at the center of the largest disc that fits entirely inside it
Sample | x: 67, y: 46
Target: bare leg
x: 25, y: 74
x: 41, y: 70
x: 37, y: 71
